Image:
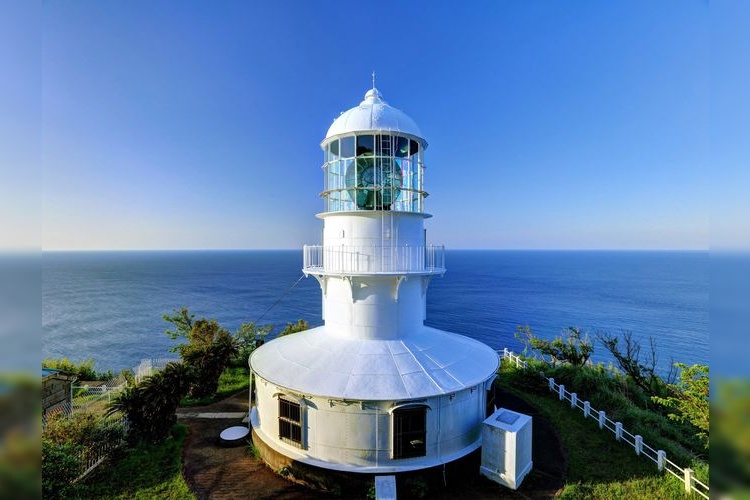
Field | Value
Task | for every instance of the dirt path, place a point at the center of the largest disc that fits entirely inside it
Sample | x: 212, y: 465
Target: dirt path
x: 215, y: 471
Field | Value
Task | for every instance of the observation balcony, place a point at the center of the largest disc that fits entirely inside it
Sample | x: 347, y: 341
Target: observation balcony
x: 364, y: 260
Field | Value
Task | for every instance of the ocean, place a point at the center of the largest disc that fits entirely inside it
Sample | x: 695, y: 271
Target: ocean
x: 108, y: 306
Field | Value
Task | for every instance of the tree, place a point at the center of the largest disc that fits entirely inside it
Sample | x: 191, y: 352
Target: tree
x: 183, y: 323
x: 641, y: 372
x: 290, y: 328
x: 249, y: 337
x: 572, y: 347
x: 689, y: 397
x: 208, y: 350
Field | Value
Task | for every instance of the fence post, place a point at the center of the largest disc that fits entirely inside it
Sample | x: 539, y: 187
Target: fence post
x: 689, y: 475
x: 561, y: 392
x: 573, y: 399
x: 661, y: 459
x: 638, y: 444
x: 586, y: 409
x: 551, y: 384
x: 505, y: 352
x: 602, y: 416
x: 618, y: 430
x: 518, y: 362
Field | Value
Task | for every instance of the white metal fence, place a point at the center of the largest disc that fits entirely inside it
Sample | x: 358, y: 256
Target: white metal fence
x: 88, y: 397
x: 93, y: 398
x: 374, y: 259
x: 659, y: 457
x: 148, y: 367
x: 92, y: 457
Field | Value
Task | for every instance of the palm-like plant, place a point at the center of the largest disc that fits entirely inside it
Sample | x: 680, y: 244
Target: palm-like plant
x: 150, y: 406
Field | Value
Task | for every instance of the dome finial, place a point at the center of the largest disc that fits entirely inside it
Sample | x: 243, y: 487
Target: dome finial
x: 373, y: 79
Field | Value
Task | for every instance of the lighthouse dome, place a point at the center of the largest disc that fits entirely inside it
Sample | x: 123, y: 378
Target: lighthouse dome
x: 373, y: 113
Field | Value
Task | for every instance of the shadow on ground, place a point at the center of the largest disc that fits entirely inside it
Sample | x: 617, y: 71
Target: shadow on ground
x: 215, y: 471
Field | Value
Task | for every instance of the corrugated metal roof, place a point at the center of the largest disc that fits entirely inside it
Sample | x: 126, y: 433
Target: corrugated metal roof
x: 373, y: 114
x: 426, y: 363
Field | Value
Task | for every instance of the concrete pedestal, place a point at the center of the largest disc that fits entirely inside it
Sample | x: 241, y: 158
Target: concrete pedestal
x: 506, y: 447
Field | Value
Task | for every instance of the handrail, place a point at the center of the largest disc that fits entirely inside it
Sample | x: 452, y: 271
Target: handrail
x: 686, y: 475
x: 374, y: 259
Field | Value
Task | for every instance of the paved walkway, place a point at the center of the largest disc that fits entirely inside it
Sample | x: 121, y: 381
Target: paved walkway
x: 215, y: 471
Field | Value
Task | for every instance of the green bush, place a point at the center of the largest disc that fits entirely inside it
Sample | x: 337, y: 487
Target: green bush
x: 689, y: 398
x: 249, y: 337
x: 620, y: 397
x: 290, y: 328
x: 572, y: 347
x: 85, y: 429
x: 151, y: 406
x: 61, y: 465
x: 83, y: 370
x: 207, y: 352
x: 233, y: 380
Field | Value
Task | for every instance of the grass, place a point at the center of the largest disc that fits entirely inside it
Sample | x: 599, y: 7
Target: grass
x: 598, y: 466
x: 233, y: 380
x: 145, y: 472
x: 623, y: 402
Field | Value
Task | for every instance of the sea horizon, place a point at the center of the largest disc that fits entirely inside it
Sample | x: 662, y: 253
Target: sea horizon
x: 108, y: 305
x: 73, y: 250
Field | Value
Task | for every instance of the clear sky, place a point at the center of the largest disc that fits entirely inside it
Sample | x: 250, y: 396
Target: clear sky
x: 170, y: 125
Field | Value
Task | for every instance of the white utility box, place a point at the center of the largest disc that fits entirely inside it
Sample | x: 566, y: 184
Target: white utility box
x: 506, y: 447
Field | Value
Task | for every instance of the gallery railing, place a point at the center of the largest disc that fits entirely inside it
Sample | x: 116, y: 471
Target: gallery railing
x: 346, y: 259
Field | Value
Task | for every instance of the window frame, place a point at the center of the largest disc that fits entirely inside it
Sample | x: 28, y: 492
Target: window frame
x: 287, y: 423
x: 399, y: 445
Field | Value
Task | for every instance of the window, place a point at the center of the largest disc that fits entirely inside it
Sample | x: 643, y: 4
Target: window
x: 347, y: 147
x: 409, y: 432
x: 290, y: 422
x: 365, y: 145
x: 333, y: 150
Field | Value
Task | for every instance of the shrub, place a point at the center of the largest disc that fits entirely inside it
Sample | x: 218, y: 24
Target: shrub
x: 640, y: 369
x: 150, y: 406
x: 85, y: 429
x: 83, y: 370
x: 572, y: 347
x: 207, y: 353
x: 249, y: 337
x: 290, y: 328
x: 689, y: 398
x: 61, y: 465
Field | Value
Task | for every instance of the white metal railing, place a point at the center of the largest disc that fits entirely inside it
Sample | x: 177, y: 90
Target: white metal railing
x: 659, y: 457
x: 92, y: 457
x: 374, y: 259
x: 148, y: 367
x: 87, y: 396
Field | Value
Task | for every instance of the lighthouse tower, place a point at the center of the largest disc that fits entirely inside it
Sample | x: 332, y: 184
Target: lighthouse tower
x: 373, y: 390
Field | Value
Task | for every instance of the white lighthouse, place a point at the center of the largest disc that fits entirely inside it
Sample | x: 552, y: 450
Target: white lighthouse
x: 373, y: 390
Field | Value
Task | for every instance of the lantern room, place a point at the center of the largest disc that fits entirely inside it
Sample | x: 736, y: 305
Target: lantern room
x: 381, y: 171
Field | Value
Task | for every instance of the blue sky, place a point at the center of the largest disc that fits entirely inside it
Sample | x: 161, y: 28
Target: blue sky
x: 551, y: 124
